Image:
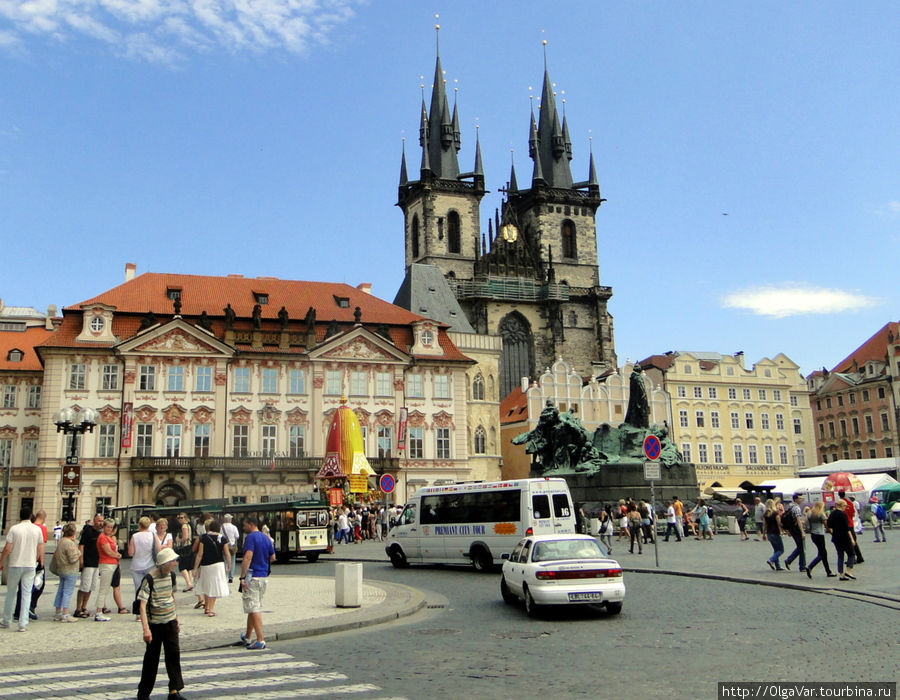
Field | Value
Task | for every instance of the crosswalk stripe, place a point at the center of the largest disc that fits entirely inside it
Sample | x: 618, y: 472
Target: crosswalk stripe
x: 301, y: 692
x: 135, y: 663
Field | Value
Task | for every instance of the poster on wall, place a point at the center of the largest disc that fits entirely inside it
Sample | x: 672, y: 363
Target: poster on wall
x: 401, y: 429
x: 335, y: 497
x: 127, y: 422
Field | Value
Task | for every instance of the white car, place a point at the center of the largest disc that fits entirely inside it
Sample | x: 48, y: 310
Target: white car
x: 562, y: 570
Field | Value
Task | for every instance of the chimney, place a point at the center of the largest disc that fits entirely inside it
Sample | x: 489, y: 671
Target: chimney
x: 130, y: 269
x: 365, y: 287
x: 51, y: 314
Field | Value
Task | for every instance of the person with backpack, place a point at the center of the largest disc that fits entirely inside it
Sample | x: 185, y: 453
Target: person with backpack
x: 879, y: 515
x: 791, y: 524
x: 159, y: 621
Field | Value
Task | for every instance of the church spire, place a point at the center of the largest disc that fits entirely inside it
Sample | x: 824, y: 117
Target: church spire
x: 441, y: 144
x: 404, y: 180
x: 513, y: 184
x: 550, y: 155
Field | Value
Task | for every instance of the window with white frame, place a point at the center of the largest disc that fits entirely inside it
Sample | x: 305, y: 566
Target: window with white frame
x: 746, y: 394
x: 77, y: 374
x: 109, y: 378
x: 240, y: 441
x: 738, y: 454
x: 770, y: 455
x: 31, y: 453
x: 269, y: 440
x: 798, y: 427
x: 146, y: 378
x: 718, y: 456
x: 203, y: 379
x: 9, y: 396
x: 173, y: 440
x: 764, y: 421
x: 384, y: 441
x: 106, y: 440
x: 480, y: 441
x: 687, y: 369
x: 442, y: 443
x: 5, y: 452
x: 782, y: 454
x: 686, y: 451
x: 297, y: 381
x: 681, y: 392
x: 414, y: 385
x: 241, y: 380
x: 416, y: 443
x: 713, y: 419
x: 776, y: 394
x: 683, y: 419
x: 735, y: 420
x: 793, y: 401
x: 333, y: 382
x: 442, y: 386
x: 144, y: 440
x: 712, y: 392
x: 748, y: 420
x: 885, y: 423
x: 779, y: 421
x: 175, y: 378
x: 384, y: 384
x: 699, y: 416
x: 297, y: 441
x: 269, y: 380
x: 34, y: 396
x: 79, y: 445
x: 702, y: 456
x: 751, y: 454
x: 732, y: 392
x: 202, y: 434
x: 762, y: 394
x: 359, y: 383
x: 801, y: 457
x: 698, y: 392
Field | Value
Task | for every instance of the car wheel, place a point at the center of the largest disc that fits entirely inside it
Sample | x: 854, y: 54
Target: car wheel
x: 312, y: 557
x: 614, y: 608
x: 482, y: 560
x: 398, y: 558
x: 532, y: 608
x: 508, y: 596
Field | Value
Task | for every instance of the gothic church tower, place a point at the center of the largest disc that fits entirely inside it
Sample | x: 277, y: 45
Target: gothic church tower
x: 533, y: 276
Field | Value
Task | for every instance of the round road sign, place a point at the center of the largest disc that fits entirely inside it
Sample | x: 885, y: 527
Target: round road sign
x: 386, y: 483
x: 652, y: 447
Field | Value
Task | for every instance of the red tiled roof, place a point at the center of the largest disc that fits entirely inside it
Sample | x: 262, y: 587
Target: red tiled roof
x: 148, y: 292
x: 514, y: 408
x: 658, y: 361
x: 874, y: 348
x: 17, y: 340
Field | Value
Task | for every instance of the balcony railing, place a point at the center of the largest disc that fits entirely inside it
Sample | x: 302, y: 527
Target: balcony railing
x: 256, y: 464
x: 511, y: 288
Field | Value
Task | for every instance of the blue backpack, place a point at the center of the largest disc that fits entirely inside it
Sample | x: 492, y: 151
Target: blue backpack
x: 880, y: 512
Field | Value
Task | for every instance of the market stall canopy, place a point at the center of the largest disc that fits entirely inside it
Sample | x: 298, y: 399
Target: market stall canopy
x: 843, y: 481
x: 344, y: 448
x: 857, y: 466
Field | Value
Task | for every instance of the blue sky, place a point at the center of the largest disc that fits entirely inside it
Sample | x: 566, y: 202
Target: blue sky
x: 262, y: 137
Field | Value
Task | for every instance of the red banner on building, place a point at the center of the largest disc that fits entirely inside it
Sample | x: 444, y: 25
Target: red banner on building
x: 127, y: 422
x: 401, y: 429
x: 336, y: 497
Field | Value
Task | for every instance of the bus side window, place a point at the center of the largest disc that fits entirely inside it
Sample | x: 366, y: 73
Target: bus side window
x: 540, y: 506
x: 409, y: 515
x: 561, y: 506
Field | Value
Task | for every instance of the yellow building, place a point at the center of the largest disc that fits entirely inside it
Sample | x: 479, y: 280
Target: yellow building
x: 736, y: 424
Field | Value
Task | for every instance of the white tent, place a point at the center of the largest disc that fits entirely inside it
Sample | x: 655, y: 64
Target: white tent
x: 811, y: 487
x: 855, y: 466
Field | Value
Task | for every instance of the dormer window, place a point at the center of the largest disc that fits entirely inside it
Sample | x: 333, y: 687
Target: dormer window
x: 261, y: 298
x: 342, y: 302
x: 173, y: 293
x: 15, y: 355
x: 97, y: 324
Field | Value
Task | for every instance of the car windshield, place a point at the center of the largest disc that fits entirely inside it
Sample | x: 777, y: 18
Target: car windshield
x: 557, y: 550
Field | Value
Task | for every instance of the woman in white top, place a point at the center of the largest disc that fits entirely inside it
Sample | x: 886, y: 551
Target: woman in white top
x: 140, y: 549
x: 163, y: 536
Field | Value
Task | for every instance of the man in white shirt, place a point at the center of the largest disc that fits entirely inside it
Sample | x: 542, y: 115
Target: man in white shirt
x: 671, y: 521
x: 24, y: 550
x: 229, y: 529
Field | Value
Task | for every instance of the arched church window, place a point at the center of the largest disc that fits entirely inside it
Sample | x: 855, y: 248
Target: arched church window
x: 517, y: 354
x: 478, y: 388
x: 453, y: 232
x: 415, y: 236
x: 480, y: 441
x: 569, y: 249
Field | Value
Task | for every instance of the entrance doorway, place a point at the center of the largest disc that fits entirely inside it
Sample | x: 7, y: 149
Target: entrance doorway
x: 170, y: 494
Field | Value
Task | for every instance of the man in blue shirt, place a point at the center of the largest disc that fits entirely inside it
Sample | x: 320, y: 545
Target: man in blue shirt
x: 258, y: 554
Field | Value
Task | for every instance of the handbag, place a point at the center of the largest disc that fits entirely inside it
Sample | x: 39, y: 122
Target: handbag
x: 54, y: 564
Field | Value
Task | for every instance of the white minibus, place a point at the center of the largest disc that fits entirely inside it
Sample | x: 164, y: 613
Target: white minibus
x: 476, y: 522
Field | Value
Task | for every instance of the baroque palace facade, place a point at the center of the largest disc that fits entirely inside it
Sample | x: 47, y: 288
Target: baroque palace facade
x: 224, y: 387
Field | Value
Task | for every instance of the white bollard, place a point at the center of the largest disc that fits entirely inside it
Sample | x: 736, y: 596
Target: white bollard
x: 348, y: 577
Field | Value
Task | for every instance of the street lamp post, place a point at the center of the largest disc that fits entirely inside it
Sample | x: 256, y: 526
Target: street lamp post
x: 73, y: 421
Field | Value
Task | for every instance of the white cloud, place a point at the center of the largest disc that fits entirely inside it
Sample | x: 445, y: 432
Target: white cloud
x: 163, y: 30
x: 795, y: 299
x: 894, y: 207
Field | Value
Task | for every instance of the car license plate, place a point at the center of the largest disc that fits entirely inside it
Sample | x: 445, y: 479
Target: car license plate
x: 585, y: 597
